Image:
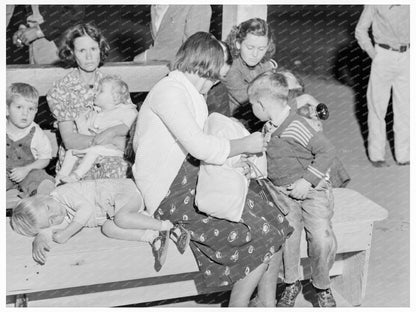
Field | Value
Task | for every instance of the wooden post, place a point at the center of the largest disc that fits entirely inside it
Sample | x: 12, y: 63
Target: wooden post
x: 235, y: 14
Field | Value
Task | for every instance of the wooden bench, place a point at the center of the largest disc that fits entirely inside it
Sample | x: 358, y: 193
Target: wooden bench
x: 92, y: 270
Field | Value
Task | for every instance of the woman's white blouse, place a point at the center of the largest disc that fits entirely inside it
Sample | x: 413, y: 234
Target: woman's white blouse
x: 169, y: 126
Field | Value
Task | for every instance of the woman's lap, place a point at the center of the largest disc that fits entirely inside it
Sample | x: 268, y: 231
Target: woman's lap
x: 225, y: 251
x: 105, y: 167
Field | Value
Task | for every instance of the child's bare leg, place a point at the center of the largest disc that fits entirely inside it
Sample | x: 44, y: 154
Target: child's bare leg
x: 244, y: 288
x: 67, y: 164
x: 266, y: 291
x: 130, y: 217
x: 110, y: 229
x: 85, y: 164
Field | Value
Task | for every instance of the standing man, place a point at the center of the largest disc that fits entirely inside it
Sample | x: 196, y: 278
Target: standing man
x: 171, y: 26
x: 390, y: 74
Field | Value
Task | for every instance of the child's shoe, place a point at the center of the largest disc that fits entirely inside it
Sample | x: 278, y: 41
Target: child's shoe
x: 181, y: 237
x: 289, y: 295
x: 326, y: 299
x: 160, y: 249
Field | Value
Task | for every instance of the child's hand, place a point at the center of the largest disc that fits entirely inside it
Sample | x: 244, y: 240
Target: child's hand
x: 18, y: 174
x: 59, y: 237
x: 255, y: 143
x: 39, y: 248
x: 299, y: 189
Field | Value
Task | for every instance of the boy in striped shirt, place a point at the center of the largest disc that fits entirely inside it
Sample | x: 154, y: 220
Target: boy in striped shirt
x: 298, y: 161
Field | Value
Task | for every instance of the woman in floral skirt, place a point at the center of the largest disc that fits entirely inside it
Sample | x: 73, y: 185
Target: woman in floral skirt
x: 170, y: 143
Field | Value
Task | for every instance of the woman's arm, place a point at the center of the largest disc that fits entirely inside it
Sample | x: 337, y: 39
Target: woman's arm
x: 171, y: 107
x: 251, y: 144
x: 71, y: 139
x: 171, y: 104
x: 115, y: 135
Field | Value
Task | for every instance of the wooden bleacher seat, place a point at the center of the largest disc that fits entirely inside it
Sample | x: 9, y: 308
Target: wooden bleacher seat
x: 93, y: 270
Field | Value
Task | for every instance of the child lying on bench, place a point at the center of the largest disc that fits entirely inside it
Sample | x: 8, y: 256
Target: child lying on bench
x: 114, y: 204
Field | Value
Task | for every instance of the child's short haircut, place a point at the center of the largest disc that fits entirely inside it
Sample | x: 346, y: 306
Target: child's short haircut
x: 120, y: 89
x: 270, y: 83
x: 24, y: 90
x: 23, y: 220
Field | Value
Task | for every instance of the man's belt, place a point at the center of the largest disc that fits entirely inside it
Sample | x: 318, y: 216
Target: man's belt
x: 401, y: 49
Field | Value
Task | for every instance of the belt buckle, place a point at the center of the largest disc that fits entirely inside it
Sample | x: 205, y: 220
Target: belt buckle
x: 403, y: 48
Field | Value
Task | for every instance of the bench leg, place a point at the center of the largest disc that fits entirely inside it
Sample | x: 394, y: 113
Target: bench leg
x: 352, y: 283
x: 21, y: 301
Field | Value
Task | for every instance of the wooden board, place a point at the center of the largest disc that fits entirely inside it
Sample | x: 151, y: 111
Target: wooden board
x: 90, y: 258
x: 139, y: 78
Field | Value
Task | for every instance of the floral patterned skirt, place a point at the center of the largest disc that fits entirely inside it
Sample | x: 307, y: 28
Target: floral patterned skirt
x: 225, y: 251
x: 105, y: 167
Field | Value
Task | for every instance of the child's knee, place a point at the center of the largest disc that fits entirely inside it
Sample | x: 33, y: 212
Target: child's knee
x: 121, y: 219
x: 107, y: 228
x: 322, y: 239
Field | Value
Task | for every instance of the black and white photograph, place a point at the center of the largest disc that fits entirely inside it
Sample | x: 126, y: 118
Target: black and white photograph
x: 197, y: 155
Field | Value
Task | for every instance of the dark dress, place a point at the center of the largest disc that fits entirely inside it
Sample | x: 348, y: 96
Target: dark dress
x: 225, y: 251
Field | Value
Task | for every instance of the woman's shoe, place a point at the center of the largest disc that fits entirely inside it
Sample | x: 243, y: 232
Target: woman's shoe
x: 160, y: 249
x: 181, y: 240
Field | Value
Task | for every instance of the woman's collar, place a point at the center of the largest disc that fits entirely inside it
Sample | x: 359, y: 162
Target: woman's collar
x: 186, y: 79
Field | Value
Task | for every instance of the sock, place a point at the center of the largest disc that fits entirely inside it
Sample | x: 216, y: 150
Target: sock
x: 150, y: 235
x: 166, y: 225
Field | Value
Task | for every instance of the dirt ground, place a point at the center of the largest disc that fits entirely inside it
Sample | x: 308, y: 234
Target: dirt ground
x: 388, y: 280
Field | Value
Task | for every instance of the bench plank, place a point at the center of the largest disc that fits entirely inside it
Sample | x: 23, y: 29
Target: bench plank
x: 90, y: 258
x: 139, y: 78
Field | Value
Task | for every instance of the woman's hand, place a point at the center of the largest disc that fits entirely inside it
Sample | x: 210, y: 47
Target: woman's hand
x: 115, y: 135
x: 243, y: 164
x: 251, y: 144
x: 105, y: 137
x: 255, y: 143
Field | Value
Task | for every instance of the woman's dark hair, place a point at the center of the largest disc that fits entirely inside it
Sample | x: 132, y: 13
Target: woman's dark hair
x: 254, y: 26
x: 66, y: 49
x: 201, y: 54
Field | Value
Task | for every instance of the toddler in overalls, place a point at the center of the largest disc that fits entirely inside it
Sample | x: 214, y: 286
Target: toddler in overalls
x: 28, y: 149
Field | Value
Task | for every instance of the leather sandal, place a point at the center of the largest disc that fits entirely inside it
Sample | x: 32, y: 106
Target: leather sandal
x: 181, y: 240
x: 160, y: 252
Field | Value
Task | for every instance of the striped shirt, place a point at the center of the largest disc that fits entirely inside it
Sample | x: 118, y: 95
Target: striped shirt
x: 296, y: 150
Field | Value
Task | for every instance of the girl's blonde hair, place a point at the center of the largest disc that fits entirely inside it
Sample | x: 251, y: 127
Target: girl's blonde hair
x: 119, y: 89
x: 24, y: 217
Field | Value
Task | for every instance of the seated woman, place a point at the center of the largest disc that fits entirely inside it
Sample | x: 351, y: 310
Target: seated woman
x: 169, y: 142
x: 252, y: 48
x: 84, y: 48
